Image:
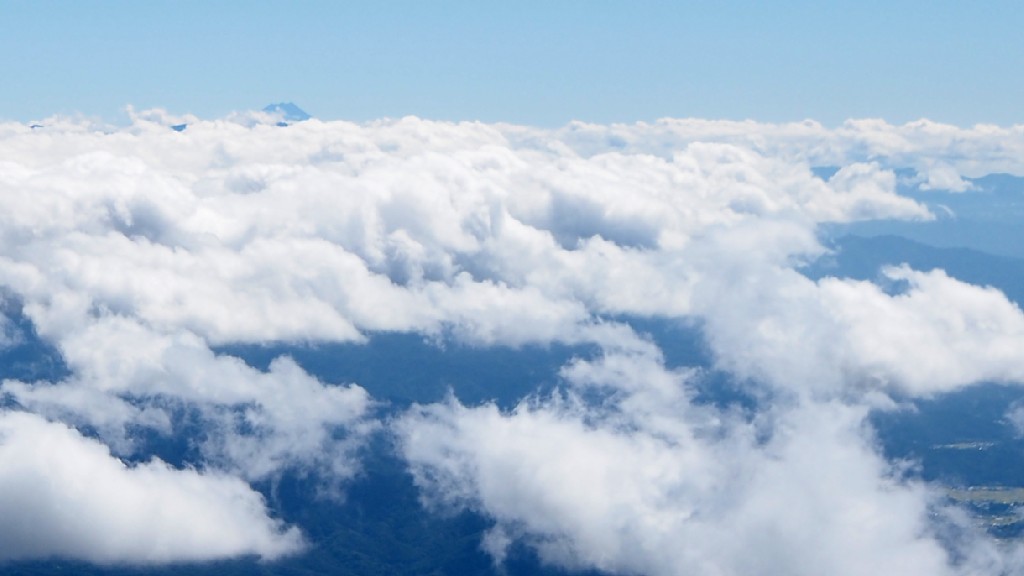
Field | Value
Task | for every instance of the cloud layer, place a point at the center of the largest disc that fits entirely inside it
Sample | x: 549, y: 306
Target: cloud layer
x: 138, y: 251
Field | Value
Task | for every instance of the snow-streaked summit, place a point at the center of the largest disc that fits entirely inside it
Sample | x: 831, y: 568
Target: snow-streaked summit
x: 289, y: 111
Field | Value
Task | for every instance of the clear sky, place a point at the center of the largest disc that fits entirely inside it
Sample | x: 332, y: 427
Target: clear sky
x: 533, y: 62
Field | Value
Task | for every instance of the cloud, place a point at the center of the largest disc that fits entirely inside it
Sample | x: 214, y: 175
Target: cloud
x: 138, y: 252
x: 662, y: 486
x: 255, y: 423
x: 62, y: 494
x: 942, y: 153
x: 255, y: 215
x: 840, y: 337
x: 942, y: 176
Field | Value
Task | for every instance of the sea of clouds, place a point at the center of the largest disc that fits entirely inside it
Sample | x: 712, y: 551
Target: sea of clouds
x: 137, y: 251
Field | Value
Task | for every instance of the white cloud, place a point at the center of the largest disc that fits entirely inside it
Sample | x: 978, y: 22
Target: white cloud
x: 659, y: 486
x: 942, y: 176
x: 62, y: 494
x: 944, y: 153
x: 839, y: 337
x: 257, y: 423
x: 137, y: 251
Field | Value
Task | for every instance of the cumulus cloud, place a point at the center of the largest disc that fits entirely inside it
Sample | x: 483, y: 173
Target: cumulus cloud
x: 62, y: 494
x: 659, y: 486
x: 138, y: 251
x: 839, y: 337
x: 256, y: 423
x: 653, y: 483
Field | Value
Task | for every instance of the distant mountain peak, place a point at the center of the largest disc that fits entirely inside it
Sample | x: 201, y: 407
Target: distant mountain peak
x: 289, y: 112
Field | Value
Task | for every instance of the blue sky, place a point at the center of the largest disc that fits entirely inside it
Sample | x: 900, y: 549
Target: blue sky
x: 529, y: 62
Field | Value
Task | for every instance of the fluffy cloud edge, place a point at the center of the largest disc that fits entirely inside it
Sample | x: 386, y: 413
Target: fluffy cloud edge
x: 64, y: 495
